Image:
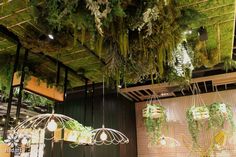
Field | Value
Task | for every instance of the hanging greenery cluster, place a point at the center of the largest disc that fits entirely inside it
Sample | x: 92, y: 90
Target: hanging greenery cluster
x: 84, y: 134
x: 136, y: 38
x: 219, y: 115
x: 155, y: 120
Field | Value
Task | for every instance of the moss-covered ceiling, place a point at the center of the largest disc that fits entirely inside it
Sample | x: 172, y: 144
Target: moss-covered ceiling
x: 19, y: 17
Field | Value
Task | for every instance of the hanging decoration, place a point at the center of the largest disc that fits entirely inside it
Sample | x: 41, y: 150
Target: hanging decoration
x: 54, y: 123
x: 154, y: 119
x: 95, y: 7
x: 107, y: 136
x: 197, y: 114
x: 165, y: 141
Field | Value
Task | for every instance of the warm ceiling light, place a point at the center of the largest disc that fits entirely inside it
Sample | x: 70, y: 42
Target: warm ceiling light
x: 50, y: 36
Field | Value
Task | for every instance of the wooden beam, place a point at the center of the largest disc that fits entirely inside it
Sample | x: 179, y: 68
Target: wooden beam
x: 19, y: 23
x: 192, y: 4
x: 216, y: 7
x: 18, y: 11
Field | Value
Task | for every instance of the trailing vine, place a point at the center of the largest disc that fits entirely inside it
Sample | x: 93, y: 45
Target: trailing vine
x: 154, y: 125
x: 136, y: 39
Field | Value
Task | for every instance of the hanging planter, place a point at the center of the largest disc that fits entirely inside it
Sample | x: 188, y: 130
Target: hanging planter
x: 196, y: 115
x: 155, y: 119
x: 74, y: 132
x: 220, y: 113
x: 153, y: 111
x: 200, y: 112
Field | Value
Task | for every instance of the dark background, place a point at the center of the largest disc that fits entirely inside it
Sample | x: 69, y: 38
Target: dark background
x: 86, y: 107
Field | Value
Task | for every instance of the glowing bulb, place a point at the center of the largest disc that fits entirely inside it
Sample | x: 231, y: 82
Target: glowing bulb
x: 163, y: 141
x: 27, y: 116
x: 50, y: 36
x: 3, y: 119
x: 52, y: 125
x: 24, y: 141
x: 103, y: 136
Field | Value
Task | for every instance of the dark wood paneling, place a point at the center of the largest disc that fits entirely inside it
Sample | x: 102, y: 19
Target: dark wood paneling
x: 119, y: 114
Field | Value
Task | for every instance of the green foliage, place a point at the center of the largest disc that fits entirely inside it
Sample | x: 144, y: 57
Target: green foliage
x: 153, y: 125
x: 36, y: 100
x: 229, y: 64
x: 84, y: 133
x: 1, y: 140
x: 193, y: 125
x: 128, y: 50
x: 218, y: 118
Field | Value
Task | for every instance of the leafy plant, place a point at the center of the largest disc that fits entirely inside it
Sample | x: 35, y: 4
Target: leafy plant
x: 154, y: 125
x: 218, y: 116
x: 84, y: 133
x: 137, y: 38
x: 193, y: 125
x: 220, y: 113
x: 1, y: 140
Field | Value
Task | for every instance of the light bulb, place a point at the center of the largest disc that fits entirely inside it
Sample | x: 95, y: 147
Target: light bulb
x: 52, y: 125
x: 50, y: 36
x: 163, y: 141
x: 103, y: 136
x: 24, y: 141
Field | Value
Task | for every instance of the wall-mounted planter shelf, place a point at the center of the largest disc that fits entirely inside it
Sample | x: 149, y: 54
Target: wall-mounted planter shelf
x: 40, y: 88
x: 5, y: 150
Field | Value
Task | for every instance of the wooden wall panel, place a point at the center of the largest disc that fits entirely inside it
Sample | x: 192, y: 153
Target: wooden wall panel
x: 178, y: 127
x: 87, y: 109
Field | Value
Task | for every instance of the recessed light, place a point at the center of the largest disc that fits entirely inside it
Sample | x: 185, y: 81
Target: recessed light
x: 50, y: 36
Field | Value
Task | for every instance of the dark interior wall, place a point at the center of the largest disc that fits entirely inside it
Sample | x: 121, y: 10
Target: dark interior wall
x: 86, y: 107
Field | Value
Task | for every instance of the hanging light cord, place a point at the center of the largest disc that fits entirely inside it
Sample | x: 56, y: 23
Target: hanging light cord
x: 103, y: 102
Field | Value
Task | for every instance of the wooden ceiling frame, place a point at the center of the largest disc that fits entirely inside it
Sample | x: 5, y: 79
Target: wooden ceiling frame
x: 165, y: 90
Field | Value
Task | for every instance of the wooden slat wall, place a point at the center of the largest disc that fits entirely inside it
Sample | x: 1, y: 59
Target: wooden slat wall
x: 179, y: 130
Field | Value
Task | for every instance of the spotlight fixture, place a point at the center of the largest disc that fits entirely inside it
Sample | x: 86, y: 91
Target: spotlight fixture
x: 51, y: 36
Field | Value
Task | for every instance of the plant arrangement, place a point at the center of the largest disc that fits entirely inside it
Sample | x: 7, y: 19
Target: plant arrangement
x: 135, y: 38
x: 154, y: 120
x: 216, y: 115
x: 194, y: 117
x: 220, y: 113
x: 79, y: 133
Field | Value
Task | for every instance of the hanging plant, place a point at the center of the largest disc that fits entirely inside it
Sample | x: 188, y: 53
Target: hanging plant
x: 78, y: 133
x: 220, y: 113
x: 155, y: 119
x: 95, y: 7
x: 194, y: 116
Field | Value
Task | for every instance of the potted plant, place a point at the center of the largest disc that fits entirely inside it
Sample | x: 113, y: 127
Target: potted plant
x: 77, y: 133
x: 155, y: 119
x: 220, y: 113
x: 194, y: 116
